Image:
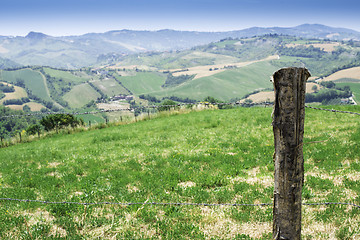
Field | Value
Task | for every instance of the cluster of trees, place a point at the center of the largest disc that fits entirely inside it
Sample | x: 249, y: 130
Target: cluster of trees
x: 301, y: 51
x: 153, y: 99
x: 326, y: 95
x: 58, y: 121
x: 172, y: 80
x: 57, y: 87
x: 215, y: 101
x: 179, y: 99
x: 19, y: 101
x: 149, y: 98
x: 6, y: 88
x: 11, y: 126
x: 330, y: 93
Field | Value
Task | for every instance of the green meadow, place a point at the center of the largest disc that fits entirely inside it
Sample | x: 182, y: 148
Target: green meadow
x: 33, y: 80
x: 110, y: 87
x: 143, y: 82
x: 84, y: 90
x: 211, y: 156
x: 67, y: 76
x: 225, y: 85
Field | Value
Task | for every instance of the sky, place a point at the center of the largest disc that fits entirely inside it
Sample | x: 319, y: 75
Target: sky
x: 76, y: 17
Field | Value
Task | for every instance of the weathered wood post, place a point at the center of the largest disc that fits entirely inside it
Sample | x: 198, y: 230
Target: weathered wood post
x: 288, y: 127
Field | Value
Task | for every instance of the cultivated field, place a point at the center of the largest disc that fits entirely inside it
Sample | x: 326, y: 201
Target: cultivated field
x: 33, y: 80
x: 80, y: 95
x: 67, y: 76
x: 225, y: 85
x: 214, y: 156
x: 351, y: 74
x: 19, y: 93
x: 267, y: 96
x: 204, y: 71
x: 327, y: 47
x: 143, y: 83
x: 110, y: 87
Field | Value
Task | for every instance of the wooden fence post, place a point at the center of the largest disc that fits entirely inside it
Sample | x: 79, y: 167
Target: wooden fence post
x: 288, y: 127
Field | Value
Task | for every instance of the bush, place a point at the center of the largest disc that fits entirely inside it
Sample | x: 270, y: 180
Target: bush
x: 34, y: 129
x: 167, y: 105
x: 58, y: 121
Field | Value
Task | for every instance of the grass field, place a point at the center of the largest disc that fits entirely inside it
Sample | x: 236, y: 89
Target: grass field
x: 225, y: 85
x: 143, y: 83
x: 19, y: 93
x: 33, y: 80
x: 327, y: 47
x: 35, y: 106
x: 110, y: 87
x: 219, y: 156
x: 353, y: 73
x: 80, y: 95
x: 67, y: 76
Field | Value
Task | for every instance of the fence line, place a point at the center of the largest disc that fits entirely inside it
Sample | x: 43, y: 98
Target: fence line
x: 170, y: 203
x: 131, y: 109
x: 332, y: 110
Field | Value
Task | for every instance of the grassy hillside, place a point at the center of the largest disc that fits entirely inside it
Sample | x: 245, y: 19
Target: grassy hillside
x: 217, y: 156
x: 32, y: 80
x: 67, y: 76
x: 143, y: 83
x: 80, y: 95
x: 224, y: 85
x: 110, y: 87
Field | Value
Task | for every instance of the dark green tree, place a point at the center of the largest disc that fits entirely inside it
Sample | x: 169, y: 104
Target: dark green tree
x: 34, y: 129
x: 58, y: 121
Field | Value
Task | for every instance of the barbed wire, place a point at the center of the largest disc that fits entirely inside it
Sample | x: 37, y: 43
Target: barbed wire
x: 132, y: 109
x: 332, y: 110
x: 170, y: 203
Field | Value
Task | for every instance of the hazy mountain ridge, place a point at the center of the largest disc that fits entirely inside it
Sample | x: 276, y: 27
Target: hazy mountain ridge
x: 84, y: 50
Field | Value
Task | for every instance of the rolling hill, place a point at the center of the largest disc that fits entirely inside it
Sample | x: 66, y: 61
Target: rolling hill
x: 89, y: 49
x: 227, y: 70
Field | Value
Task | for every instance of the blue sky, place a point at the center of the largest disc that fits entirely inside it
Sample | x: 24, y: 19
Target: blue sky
x: 74, y: 17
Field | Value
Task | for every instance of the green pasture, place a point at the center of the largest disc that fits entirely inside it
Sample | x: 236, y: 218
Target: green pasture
x: 33, y: 80
x: 80, y: 95
x: 143, y: 82
x: 110, y: 87
x: 67, y: 76
x: 225, y: 85
x: 212, y: 156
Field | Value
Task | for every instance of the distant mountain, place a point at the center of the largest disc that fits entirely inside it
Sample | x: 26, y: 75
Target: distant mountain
x: 36, y: 35
x: 78, y: 51
x: 6, y: 63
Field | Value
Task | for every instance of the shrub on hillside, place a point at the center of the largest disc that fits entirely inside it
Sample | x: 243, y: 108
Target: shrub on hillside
x: 58, y: 121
